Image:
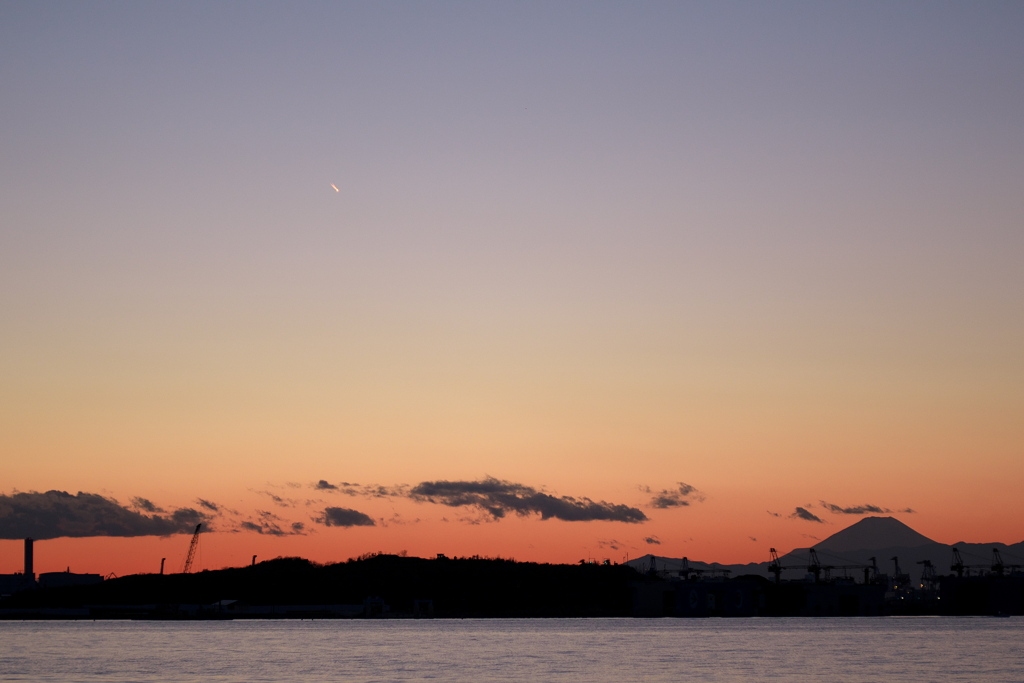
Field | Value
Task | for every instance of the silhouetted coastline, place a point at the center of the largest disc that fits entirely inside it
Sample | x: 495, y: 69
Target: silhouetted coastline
x: 389, y: 586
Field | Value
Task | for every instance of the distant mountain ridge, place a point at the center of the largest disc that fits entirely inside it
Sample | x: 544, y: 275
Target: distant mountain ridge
x: 884, y: 540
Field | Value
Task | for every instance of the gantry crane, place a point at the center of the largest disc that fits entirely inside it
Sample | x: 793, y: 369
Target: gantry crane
x: 774, y: 565
x: 997, y: 567
x: 814, y: 566
x: 688, y: 573
x: 958, y: 563
x: 997, y: 562
x: 928, y: 573
x: 873, y: 569
x: 899, y: 579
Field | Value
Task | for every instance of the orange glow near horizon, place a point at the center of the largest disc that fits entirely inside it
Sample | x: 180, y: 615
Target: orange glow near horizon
x: 709, y: 529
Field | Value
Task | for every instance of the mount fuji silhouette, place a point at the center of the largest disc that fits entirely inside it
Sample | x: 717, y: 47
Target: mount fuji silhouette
x: 883, y: 540
x: 896, y: 548
x: 874, y: 533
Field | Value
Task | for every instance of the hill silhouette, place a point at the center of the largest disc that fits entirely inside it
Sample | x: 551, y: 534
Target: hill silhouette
x: 466, y: 587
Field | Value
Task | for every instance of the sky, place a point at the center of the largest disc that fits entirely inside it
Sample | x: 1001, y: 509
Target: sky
x: 548, y: 281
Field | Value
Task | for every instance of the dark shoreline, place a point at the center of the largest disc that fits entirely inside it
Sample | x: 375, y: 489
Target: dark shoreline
x: 392, y: 587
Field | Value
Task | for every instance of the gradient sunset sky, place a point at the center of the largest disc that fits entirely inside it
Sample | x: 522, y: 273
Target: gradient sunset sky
x: 597, y: 280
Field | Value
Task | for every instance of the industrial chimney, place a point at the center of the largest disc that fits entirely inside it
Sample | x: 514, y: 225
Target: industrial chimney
x: 30, y: 571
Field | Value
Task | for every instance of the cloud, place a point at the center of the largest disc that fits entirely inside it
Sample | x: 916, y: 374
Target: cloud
x: 344, y: 517
x: 860, y: 509
x: 59, y: 514
x: 278, y: 500
x: 208, y: 505
x: 361, y: 490
x: 499, y: 498
x: 681, y: 496
x: 377, y: 491
x: 397, y: 518
x: 804, y: 514
x: 269, y: 524
x: 145, y: 505
x: 189, y: 516
x: 774, y: 514
x: 652, y: 540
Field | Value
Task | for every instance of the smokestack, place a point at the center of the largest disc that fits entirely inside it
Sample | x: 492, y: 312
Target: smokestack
x: 30, y: 570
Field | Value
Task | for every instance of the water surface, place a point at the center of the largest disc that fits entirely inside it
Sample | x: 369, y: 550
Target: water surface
x: 979, y: 650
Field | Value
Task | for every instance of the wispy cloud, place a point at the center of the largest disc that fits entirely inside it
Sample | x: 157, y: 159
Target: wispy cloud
x: 652, y: 540
x: 681, y: 496
x: 145, y: 505
x: 270, y: 524
x: 361, y: 490
x: 57, y: 514
x: 806, y: 515
x: 499, y: 498
x: 860, y: 509
x: 280, y: 501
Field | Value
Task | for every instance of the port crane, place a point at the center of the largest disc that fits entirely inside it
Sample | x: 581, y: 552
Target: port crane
x: 814, y: 566
x: 192, y: 550
x: 958, y: 563
x: 928, y: 573
x: 688, y: 573
x: 873, y: 569
x: 997, y: 564
x: 899, y: 578
x: 774, y: 565
x: 960, y: 568
x: 998, y: 567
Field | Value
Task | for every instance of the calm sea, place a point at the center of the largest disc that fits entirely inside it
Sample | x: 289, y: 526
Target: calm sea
x: 882, y: 649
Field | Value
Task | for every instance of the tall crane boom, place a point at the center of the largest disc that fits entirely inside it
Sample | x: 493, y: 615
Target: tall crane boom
x: 958, y: 563
x: 814, y: 566
x: 774, y: 566
x: 192, y: 550
x: 997, y: 562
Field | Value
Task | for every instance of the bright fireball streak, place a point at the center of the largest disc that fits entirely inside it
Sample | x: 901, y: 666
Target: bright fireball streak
x: 335, y: 187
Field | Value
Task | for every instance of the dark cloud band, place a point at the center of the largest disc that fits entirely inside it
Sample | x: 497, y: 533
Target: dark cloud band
x: 57, y: 514
x: 345, y: 517
x: 498, y: 498
x: 860, y: 509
